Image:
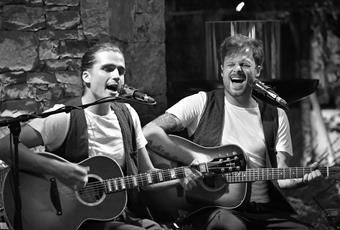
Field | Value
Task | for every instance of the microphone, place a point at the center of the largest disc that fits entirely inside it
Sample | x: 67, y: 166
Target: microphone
x: 265, y: 90
x: 127, y: 91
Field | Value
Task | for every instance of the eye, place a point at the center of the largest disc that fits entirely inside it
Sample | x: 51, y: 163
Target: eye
x: 230, y: 65
x: 245, y: 65
x: 109, y: 68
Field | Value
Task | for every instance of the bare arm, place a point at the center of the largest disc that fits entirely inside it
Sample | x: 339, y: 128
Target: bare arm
x: 283, y: 159
x: 156, y: 133
x: 71, y: 174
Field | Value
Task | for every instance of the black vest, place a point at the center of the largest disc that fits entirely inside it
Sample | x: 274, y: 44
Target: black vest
x: 209, y: 134
x: 75, y: 147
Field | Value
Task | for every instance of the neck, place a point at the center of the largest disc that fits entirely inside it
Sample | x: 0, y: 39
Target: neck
x: 244, y: 100
x: 99, y: 109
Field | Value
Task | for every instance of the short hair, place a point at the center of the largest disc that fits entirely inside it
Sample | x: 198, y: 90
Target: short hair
x: 88, y: 58
x: 238, y: 43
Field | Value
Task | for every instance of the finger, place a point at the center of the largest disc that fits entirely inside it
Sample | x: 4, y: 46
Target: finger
x: 84, y: 170
x: 305, y: 178
x: 183, y: 182
x: 86, y: 179
x: 315, y: 165
x: 197, y: 173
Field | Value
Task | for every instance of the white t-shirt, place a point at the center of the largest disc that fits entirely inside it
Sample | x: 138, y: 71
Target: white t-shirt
x: 104, y: 132
x: 243, y: 127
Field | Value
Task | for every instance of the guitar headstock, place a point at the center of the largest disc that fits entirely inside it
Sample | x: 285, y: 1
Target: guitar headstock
x: 230, y: 161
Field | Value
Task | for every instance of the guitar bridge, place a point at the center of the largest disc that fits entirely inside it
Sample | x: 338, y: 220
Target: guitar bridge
x: 54, y: 195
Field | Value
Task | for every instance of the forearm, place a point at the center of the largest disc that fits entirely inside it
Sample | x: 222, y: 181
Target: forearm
x: 291, y: 183
x: 28, y: 160
x: 159, y: 141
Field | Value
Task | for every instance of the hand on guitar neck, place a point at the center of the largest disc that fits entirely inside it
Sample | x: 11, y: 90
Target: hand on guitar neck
x: 192, y: 175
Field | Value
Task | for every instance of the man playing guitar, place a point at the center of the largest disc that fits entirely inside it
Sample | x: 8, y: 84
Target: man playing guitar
x: 232, y: 116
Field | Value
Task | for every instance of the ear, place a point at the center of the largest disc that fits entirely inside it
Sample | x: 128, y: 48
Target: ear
x: 222, y: 71
x: 86, y: 77
x: 258, y: 70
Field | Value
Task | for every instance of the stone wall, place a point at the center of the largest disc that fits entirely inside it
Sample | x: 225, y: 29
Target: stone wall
x: 42, y: 41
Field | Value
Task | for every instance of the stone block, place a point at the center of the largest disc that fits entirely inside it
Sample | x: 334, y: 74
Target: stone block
x: 18, y: 91
x: 69, y: 77
x: 121, y: 14
x: 62, y: 2
x: 33, y: 2
x: 63, y: 20
x: 19, y: 50
x: 11, y: 78
x: 72, y: 48
x: 72, y: 64
x: 17, y: 107
x: 73, y: 90
x: 149, y: 22
x: 19, y: 17
x: 48, y: 49
x: 5, y: 2
x: 41, y: 78
x: 59, y: 35
x: 95, y: 17
x: 146, y: 67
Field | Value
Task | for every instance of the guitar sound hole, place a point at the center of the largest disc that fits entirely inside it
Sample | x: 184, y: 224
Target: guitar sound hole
x: 213, y: 182
x: 93, y: 193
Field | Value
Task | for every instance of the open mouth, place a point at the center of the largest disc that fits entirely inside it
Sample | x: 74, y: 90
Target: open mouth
x: 237, y: 79
x: 112, y: 85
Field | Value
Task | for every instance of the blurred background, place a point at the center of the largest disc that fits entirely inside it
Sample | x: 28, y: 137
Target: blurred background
x: 170, y: 49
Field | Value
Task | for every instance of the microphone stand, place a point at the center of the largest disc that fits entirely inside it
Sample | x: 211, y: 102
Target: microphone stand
x: 15, y: 129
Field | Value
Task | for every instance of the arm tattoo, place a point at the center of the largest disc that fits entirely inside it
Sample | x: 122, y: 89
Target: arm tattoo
x: 159, y: 149
x: 169, y: 123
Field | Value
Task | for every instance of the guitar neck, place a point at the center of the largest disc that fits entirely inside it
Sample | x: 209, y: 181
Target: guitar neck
x: 260, y: 174
x: 143, y: 179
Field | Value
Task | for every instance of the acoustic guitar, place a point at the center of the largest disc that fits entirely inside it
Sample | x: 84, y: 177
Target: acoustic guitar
x: 49, y: 204
x: 228, y: 191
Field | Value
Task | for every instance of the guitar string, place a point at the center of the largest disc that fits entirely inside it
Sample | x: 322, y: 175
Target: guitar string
x: 99, y: 186
x: 141, y: 179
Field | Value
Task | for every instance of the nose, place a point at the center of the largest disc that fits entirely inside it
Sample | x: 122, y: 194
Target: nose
x: 115, y: 75
x: 238, y: 67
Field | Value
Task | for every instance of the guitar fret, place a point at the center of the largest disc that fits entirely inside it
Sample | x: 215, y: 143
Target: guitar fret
x: 108, y: 185
x: 172, y: 174
x: 115, y: 185
x: 134, y: 181
x: 122, y: 184
x: 160, y: 176
x: 149, y: 179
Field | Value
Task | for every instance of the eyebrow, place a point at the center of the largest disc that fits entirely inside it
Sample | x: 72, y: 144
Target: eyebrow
x: 111, y: 65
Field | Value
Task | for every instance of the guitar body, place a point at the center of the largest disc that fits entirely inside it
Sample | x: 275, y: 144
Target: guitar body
x: 210, y: 192
x: 41, y: 195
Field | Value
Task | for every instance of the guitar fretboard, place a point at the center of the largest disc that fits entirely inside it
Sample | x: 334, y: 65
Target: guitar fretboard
x: 144, y: 179
x: 260, y: 174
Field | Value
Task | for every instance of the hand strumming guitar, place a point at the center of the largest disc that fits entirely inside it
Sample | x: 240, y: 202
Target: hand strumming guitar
x: 70, y: 174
